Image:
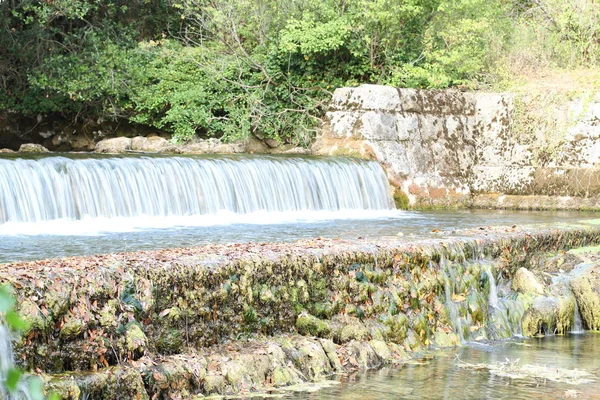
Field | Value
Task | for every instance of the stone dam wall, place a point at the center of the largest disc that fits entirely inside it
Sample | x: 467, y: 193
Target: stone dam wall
x: 452, y: 148
x: 226, y: 319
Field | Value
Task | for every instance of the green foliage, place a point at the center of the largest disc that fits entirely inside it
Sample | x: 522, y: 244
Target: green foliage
x: 231, y: 68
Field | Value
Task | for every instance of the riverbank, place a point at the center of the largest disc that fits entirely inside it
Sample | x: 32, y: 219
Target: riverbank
x: 238, y: 318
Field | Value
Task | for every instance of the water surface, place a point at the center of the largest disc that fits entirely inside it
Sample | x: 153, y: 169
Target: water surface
x: 441, y: 376
x: 97, y: 236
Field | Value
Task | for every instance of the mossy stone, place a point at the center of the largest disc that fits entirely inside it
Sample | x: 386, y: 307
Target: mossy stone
x: 71, y: 328
x: 401, y: 200
x: 135, y: 338
x: 313, y: 326
x: 169, y: 342
x: 354, y: 330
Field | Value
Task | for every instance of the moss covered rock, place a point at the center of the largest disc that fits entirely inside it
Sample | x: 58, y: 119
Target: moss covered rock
x: 312, y: 326
x: 524, y: 281
x: 586, y: 288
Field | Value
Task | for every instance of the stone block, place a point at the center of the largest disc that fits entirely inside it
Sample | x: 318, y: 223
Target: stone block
x: 375, y: 97
x: 342, y: 123
x: 407, y: 127
x: 377, y: 126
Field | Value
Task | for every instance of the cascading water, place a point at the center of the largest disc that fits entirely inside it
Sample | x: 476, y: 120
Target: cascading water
x: 577, y: 324
x: 53, y: 188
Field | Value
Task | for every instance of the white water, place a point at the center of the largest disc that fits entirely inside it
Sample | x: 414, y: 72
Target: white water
x: 52, y: 194
x: 577, y: 323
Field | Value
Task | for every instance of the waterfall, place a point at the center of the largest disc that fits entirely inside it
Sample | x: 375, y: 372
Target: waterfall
x: 51, y: 188
x: 577, y: 324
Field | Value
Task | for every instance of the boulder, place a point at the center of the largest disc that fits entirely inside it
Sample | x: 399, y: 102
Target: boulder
x: 152, y: 144
x: 586, y: 288
x: 32, y: 148
x: 548, y: 316
x: 255, y: 145
x: 6, y: 151
x: 113, y: 145
x: 525, y: 282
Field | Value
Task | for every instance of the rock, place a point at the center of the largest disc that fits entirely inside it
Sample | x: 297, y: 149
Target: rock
x: 364, y: 355
x: 81, y: 142
x: 72, y: 327
x: 6, y: 151
x: 66, y: 389
x: 135, y: 339
x: 31, y: 314
x: 174, y: 149
x: 32, y: 148
x: 298, y: 150
x: 152, y: 144
x: 214, y: 384
x: 548, y: 316
x: 373, y: 97
x: 524, y: 281
x: 228, y: 148
x: 331, y: 351
x: 586, y: 288
x: 443, y: 339
x: 113, y: 145
x: 381, y: 349
x: 353, y: 329
x: 272, y: 143
x: 312, y: 326
x: 255, y: 145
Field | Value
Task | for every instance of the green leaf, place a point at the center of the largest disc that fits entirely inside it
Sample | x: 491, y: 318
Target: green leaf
x: 7, y: 301
x: 15, y: 322
x: 12, y: 379
x: 35, y: 386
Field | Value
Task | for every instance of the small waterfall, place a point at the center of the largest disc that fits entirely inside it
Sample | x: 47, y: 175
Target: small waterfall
x: 493, y: 295
x: 475, y: 308
x: 50, y: 188
x: 577, y: 323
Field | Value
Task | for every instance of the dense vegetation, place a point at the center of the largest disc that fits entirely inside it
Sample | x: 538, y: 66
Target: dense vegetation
x: 228, y: 68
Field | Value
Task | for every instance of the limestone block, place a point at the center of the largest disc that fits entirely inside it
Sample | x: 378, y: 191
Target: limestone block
x: 420, y: 158
x: 375, y: 97
x: 341, y: 123
x: 378, y: 126
x: 410, y: 100
x: 407, y: 127
x: 340, y: 99
x: 393, y: 155
x: 431, y: 127
x: 444, y: 154
x: 439, y: 102
x: 501, y: 179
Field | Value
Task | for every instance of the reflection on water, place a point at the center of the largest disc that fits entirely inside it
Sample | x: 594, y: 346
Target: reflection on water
x: 441, y: 377
x: 89, y: 237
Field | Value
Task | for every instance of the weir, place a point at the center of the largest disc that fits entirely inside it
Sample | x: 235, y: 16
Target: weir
x: 311, y: 308
x: 232, y: 318
x: 50, y: 188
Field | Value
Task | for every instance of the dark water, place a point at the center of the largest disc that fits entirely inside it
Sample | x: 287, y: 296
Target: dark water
x: 441, y: 377
x: 85, y: 237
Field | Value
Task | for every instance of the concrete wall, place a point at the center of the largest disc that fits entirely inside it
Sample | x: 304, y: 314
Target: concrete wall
x: 449, y: 148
